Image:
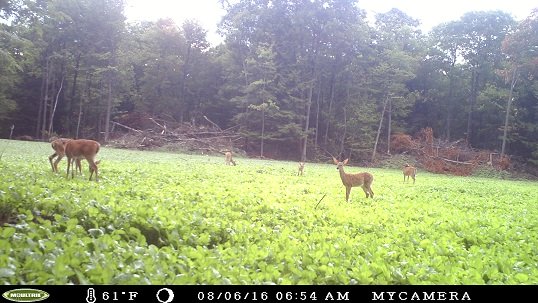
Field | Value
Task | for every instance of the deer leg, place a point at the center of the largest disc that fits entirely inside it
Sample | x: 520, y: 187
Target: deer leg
x: 93, y: 168
x: 73, y: 168
x: 79, y: 166
x: 68, y: 166
x: 365, y: 189
x: 348, y: 190
x: 96, y: 176
x: 50, y: 160
x: 60, y: 157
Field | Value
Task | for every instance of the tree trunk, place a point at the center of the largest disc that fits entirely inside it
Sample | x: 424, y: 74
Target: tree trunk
x: 45, y: 99
x: 52, y: 90
x: 184, y: 104
x: 508, y: 105
x: 344, y: 133
x: 108, y: 109
x: 99, y: 121
x: 472, y: 101
x: 41, y: 106
x: 307, y: 122
x: 53, y: 111
x: 450, y: 101
x: 331, y: 99
x: 317, y: 116
x: 389, y: 125
x: 79, y: 119
x: 263, y: 131
x: 379, y: 128
x: 449, y: 115
x: 71, y: 99
x: 87, y: 93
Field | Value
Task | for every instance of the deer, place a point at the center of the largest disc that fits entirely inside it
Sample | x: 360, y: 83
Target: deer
x: 409, y: 171
x: 58, y: 145
x: 228, y: 158
x: 82, y: 149
x: 363, y: 179
x: 301, y: 169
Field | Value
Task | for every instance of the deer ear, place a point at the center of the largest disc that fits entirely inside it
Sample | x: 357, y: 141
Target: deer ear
x: 345, y: 161
x: 335, y: 161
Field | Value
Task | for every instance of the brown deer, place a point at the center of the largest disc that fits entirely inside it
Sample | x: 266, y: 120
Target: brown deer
x: 82, y: 149
x: 301, y: 169
x: 363, y: 180
x: 59, y: 151
x: 228, y: 159
x: 409, y: 171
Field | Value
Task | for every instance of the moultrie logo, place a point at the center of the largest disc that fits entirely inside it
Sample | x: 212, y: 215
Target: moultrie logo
x: 25, y: 295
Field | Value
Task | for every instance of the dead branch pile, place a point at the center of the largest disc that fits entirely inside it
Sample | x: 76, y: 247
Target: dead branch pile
x: 438, y: 156
x: 142, y: 131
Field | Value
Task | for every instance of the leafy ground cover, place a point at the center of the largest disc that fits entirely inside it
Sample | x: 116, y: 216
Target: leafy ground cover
x: 164, y: 218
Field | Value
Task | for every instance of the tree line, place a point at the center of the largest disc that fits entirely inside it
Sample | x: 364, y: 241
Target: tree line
x: 292, y: 77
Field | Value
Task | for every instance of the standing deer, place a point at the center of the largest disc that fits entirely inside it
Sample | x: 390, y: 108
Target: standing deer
x: 301, y: 169
x: 59, y: 151
x: 363, y: 180
x: 82, y: 149
x: 228, y: 158
x: 409, y: 171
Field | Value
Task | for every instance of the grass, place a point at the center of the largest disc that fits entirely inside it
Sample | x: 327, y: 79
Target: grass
x: 164, y: 218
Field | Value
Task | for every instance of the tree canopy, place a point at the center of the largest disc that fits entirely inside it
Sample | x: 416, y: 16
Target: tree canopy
x: 293, y: 77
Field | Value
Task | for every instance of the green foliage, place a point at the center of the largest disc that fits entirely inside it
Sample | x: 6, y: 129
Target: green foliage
x: 155, y: 218
x: 72, y: 66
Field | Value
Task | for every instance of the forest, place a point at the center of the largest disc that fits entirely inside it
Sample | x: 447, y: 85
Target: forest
x: 290, y: 79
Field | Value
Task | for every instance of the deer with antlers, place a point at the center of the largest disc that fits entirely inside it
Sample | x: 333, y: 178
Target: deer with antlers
x: 363, y: 179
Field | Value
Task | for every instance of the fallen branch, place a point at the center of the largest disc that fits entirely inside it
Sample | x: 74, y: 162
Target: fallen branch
x: 215, y: 134
x: 230, y: 128
x: 126, y: 127
x: 211, y: 149
x: 210, y: 138
x: 161, y: 126
x: 213, y: 123
x: 320, y: 201
x: 457, y: 162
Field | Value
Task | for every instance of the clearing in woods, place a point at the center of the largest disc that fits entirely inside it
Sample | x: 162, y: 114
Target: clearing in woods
x: 165, y: 218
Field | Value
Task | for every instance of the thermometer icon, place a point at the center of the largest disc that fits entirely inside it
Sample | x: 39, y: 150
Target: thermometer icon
x: 90, y: 298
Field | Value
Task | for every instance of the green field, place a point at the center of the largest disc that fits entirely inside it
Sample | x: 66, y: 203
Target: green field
x: 163, y: 218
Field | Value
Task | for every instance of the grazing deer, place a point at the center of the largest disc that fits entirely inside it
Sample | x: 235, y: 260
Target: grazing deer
x: 59, y: 151
x: 301, y: 169
x: 228, y: 158
x: 363, y: 180
x: 409, y: 171
x: 82, y: 149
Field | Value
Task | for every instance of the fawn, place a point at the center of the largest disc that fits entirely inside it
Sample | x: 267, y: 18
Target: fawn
x: 409, y: 171
x: 363, y: 180
x: 228, y: 159
x: 59, y: 151
x: 301, y: 169
x: 82, y: 149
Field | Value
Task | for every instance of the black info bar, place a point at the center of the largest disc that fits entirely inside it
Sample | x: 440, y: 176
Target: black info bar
x: 264, y: 293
